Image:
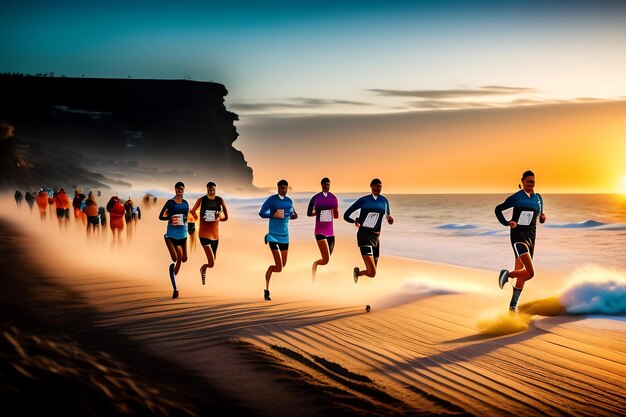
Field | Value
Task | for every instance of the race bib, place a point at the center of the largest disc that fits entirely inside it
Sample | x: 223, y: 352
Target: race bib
x: 326, y: 216
x: 209, y: 216
x: 371, y: 220
x: 525, y: 218
x: 178, y: 220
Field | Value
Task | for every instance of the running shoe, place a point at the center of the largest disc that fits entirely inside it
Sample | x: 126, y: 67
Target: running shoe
x: 175, y: 294
x: 203, y: 274
x: 266, y: 295
x: 503, y: 278
x: 355, y: 274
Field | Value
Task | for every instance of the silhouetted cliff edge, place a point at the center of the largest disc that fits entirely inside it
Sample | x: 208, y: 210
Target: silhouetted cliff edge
x: 171, y: 125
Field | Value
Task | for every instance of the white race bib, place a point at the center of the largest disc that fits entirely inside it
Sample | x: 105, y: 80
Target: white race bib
x: 371, y: 220
x: 326, y: 216
x: 209, y: 216
x: 178, y: 220
x: 525, y: 218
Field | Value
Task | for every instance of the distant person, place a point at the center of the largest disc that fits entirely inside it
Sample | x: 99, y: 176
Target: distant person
x: 527, y: 208
x: 325, y: 207
x: 102, y: 217
x: 30, y: 200
x: 62, y: 204
x: 148, y: 200
x: 77, y: 204
x: 212, y: 211
x: 42, y: 200
x: 116, y: 217
x: 279, y: 209
x: 373, y: 207
x: 175, y: 212
x: 18, y: 198
x: 90, y: 211
x: 132, y: 214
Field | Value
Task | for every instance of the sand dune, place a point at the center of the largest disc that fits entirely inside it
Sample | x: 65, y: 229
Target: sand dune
x: 420, y: 351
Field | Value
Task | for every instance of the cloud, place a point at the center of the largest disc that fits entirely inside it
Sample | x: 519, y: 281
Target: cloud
x: 588, y: 99
x: 295, y: 103
x: 446, y: 105
x: 455, y: 93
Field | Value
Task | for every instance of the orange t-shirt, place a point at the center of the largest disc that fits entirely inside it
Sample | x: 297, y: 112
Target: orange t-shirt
x: 62, y: 201
x: 91, y: 211
x: 42, y: 200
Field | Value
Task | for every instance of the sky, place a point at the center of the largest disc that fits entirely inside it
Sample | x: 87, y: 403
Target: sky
x: 447, y: 96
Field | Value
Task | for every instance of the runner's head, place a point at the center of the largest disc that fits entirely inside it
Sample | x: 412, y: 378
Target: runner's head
x: 210, y: 188
x: 282, y: 185
x: 376, y: 185
x: 528, y: 181
x: 325, y: 184
x: 180, y: 188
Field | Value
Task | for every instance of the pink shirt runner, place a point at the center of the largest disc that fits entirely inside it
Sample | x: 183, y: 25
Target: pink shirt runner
x: 323, y: 206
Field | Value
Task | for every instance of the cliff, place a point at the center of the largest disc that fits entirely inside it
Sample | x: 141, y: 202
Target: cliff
x: 176, y: 126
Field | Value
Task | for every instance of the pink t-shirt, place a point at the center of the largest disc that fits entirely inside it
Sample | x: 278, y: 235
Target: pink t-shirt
x: 323, y: 206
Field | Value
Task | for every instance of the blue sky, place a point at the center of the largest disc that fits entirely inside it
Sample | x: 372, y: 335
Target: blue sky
x: 329, y: 57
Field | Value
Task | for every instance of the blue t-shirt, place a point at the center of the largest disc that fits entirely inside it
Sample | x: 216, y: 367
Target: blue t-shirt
x: 372, y: 212
x: 526, y: 209
x: 175, y: 209
x: 278, y: 228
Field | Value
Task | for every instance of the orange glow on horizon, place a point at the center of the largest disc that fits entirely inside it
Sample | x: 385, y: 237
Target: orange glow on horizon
x: 571, y: 149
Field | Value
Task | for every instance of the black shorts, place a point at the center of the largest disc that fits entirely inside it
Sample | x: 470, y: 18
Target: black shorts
x: 329, y: 239
x: 63, y: 213
x: 368, y: 242
x: 209, y: 242
x: 522, y: 247
x: 95, y: 220
x: 177, y: 242
x: 278, y: 246
x: 191, y: 228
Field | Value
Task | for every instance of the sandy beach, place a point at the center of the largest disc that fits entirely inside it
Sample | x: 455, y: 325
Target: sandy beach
x: 435, y: 343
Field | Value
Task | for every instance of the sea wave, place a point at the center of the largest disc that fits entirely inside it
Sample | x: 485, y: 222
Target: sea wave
x: 455, y: 226
x: 589, y: 224
x: 579, y: 225
x: 596, y: 290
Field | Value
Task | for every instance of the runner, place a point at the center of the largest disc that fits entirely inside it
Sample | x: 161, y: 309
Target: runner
x: 30, y: 200
x: 77, y: 204
x: 527, y: 207
x: 18, y: 198
x: 369, y: 221
x: 42, y: 200
x: 212, y: 211
x: 325, y: 208
x: 116, y: 217
x: 132, y: 214
x: 90, y: 211
x: 62, y: 203
x: 279, y: 209
x: 175, y: 213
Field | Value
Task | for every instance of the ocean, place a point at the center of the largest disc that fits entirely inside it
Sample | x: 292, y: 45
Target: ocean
x: 461, y: 229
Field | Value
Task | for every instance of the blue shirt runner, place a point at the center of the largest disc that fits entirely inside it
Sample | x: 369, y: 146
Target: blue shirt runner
x: 278, y: 228
x: 372, y: 212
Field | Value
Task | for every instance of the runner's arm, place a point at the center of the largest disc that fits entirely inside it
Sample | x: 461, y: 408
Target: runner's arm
x: 163, y: 214
x: 225, y: 211
x: 265, y: 209
x: 508, y: 203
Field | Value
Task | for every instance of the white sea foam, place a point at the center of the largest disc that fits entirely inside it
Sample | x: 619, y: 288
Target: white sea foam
x: 596, y: 290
